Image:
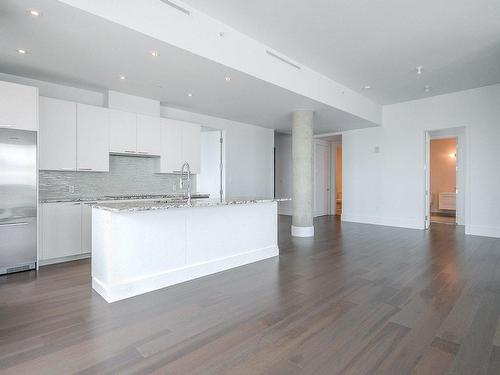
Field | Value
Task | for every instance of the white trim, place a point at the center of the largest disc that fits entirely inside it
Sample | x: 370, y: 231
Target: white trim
x: 386, y: 221
x: 46, y: 262
x: 134, y: 287
x: 285, y: 211
x: 481, y: 230
x: 302, y: 231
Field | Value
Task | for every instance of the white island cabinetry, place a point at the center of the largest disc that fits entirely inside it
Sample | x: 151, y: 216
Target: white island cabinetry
x: 140, y: 247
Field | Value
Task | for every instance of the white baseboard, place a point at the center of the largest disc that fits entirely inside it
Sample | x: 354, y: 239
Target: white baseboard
x: 130, y: 288
x: 379, y: 220
x: 481, y: 230
x: 46, y: 262
x: 284, y: 211
x: 302, y: 231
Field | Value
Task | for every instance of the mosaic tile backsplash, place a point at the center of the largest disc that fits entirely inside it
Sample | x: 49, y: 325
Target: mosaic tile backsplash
x: 127, y: 175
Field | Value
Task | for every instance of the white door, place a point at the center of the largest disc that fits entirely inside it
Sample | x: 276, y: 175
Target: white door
x: 92, y: 138
x: 209, y: 179
x: 122, y: 132
x: 427, y: 170
x: 148, y: 135
x: 191, y: 146
x: 321, y: 179
x: 57, y: 135
x: 61, y: 230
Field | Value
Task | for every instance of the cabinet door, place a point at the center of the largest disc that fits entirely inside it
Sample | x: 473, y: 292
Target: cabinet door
x: 122, y: 132
x: 18, y: 106
x: 171, y: 146
x: 57, y: 135
x: 92, y: 135
x: 86, y: 228
x: 148, y: 135
x: 191, y: 146
x: 61, y: 230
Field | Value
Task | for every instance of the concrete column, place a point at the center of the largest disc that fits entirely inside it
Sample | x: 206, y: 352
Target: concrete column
x: 302, y: 164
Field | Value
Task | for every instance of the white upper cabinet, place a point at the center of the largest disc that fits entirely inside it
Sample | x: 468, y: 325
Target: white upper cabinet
x: 18, y: 106
x: 92, y: 128
x: 122, y: 132
x: 57, y: 135
x: 180, y: 143
x: 148, y: 135
x: 171, y: 146
x: 191, y: 146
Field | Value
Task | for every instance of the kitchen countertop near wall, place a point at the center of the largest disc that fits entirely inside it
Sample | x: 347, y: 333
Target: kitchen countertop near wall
x: 154, y: 197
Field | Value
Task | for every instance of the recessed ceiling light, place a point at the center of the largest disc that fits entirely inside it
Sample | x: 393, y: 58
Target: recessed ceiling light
x: 22, y: 51
x: 190, y: 94
x: 367, y: 87
x: 419, y: 69
x: 122, y: 77
x: 427, y: 88
x: 227, y: 78
x: 155, y: 53
x: 34, y: 12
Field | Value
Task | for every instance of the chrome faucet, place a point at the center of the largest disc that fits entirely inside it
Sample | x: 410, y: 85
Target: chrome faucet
x: 186, y: 182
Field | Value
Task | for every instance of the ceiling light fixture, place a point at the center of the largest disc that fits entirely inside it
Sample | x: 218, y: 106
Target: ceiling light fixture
x: 22, y: 51
x: 190, y: 94
x: 427, y: 88
x: 228, y: 78
x: 419, y: 69
x: 367, y: 87
x: 34, y: 12
x: 122, y: 77
x: 155, y: 53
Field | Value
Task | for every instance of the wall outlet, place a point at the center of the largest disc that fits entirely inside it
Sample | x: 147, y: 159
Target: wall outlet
x: 71, y: 189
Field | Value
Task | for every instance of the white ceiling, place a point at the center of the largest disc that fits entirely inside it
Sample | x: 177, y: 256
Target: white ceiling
x: 66, y: 45
x: 378, y: 43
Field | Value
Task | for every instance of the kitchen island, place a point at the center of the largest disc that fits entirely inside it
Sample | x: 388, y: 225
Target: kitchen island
x: 141, y: 246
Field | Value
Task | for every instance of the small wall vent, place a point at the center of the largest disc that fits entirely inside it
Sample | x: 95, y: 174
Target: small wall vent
x: 282, y: 59
x: 176, y: 7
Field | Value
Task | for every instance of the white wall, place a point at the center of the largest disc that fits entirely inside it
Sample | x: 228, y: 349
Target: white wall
x: 284, y: 187
x: 388, y: 187
x: 249, y: 153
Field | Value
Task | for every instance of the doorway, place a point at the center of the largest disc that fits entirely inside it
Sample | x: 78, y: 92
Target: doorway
x: 328, y: 175
x: 322, y: 180
x: 445, y: 177
x: 211, y: 179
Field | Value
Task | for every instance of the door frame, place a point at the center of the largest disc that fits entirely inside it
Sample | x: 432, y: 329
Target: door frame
x: 461, y: 133
x: 329, y: 178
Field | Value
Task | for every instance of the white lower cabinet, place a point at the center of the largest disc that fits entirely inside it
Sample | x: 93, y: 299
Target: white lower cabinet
x: 86, y: 228
x: 65, y: 231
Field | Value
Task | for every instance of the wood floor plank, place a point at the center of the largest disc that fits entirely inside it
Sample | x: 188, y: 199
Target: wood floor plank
x: 356, y: 299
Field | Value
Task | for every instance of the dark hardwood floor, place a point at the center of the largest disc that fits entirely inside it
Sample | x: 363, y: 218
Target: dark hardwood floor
x: 356, y: 299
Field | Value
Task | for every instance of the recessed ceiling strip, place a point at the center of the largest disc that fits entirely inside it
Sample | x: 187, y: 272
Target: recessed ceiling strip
x: 282, y: 59
x: 175, y: 6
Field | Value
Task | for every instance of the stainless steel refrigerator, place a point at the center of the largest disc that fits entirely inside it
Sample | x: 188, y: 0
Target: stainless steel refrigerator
x: 18, y: 200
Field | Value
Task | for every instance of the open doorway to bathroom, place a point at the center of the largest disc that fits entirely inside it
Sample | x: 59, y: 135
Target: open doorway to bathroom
x: 443, y: 184
x: 445, y: 177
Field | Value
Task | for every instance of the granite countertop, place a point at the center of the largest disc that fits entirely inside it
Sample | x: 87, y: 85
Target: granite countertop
x: 177, y: 203
x: 120, y: 198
